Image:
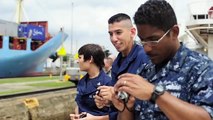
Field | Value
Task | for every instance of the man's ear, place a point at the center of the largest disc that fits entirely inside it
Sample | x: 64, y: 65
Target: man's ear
x: 91, y: 59
x: 133, y: 32
x: 175, y: 30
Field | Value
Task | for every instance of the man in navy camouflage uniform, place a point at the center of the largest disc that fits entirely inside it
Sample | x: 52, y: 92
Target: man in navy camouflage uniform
x: 178, y: 84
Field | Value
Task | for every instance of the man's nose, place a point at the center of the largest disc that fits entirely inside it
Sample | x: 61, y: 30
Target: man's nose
x: 147, y: 48
x: 77, y: 60
x: 114, y: 38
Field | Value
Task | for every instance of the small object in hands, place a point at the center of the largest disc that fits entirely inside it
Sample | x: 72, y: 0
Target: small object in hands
x: 123, y: 96
x: 83, y: 115
x: 98, y: 92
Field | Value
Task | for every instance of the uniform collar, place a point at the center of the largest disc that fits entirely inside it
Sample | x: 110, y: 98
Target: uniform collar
x: 130, y: 57
x: 87, y: 85
x: 174, y: 65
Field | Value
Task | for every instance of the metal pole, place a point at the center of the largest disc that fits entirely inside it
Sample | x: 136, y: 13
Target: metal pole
x: 61, y: 68
x: 61, y: 57
x: 19, y: 11
x: 72, y: 27
x: 71, y: 38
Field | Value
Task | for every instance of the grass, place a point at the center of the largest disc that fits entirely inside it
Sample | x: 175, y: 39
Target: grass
x: 39, y: 83
x: 27, y: 79
x: 52, y: 84
x: 15, y: 91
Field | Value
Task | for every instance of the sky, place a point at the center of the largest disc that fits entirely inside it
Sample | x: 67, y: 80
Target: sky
x: 85, y: 21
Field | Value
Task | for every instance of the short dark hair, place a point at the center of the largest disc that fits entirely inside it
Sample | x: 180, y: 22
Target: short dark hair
x: 118, y: 17
x: 95, y: 51
x: 157, y: 13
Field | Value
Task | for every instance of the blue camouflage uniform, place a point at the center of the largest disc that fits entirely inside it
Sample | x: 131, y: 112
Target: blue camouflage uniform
x: 188, y: 76
x: 86, y: 89
x: 137, y: 57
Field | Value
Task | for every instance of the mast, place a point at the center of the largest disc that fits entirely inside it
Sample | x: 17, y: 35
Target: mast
x: 19, y: 11
x: 72, y: 4
x: 71, y: 58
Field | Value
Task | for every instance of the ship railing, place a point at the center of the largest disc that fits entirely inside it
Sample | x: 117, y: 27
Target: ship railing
x: 202, y: 16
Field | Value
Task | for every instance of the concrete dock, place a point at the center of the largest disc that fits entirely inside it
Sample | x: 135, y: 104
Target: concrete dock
x: 47, y: 106
x: 53, y: 105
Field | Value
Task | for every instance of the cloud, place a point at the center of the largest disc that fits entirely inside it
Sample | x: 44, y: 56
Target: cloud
x: 89, y: 22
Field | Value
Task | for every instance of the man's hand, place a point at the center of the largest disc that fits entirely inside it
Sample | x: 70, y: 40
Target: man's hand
x: 100, y: 102
x: 134, y: 85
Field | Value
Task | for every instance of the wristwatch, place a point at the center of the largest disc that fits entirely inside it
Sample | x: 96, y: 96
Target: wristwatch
x: 158, y: 91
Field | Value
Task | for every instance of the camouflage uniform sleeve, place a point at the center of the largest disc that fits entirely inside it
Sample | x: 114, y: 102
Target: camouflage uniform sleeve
x: 202, y: 90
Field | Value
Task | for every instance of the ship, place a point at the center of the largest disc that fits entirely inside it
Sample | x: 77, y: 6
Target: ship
x: 200, y: 26
x: 25, y: 46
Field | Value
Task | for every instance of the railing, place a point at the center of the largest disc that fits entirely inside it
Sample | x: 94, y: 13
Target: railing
x: 203, y: 16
